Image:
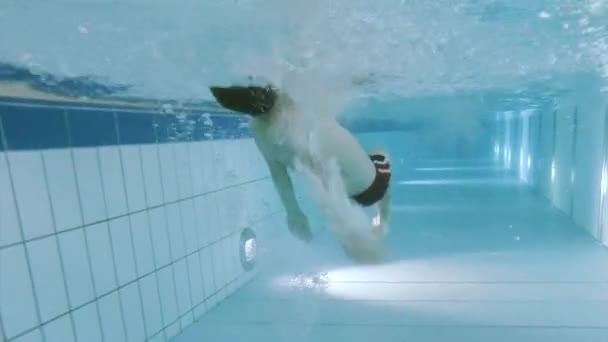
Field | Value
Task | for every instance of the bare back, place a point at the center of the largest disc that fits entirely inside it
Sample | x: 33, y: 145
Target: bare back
x: 332, y: 141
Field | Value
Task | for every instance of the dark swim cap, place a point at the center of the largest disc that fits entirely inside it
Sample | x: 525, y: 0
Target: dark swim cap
x: 252, y: 100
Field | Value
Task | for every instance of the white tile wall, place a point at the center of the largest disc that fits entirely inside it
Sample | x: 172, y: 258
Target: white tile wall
x: 76, y: 267
x: 87, y: 324
x: 144, y: 255
x: 48, y: 277
x: 111, y: 318
x: 131, y: 163
x: 31, y: 192
x: 176, y: 236
x: 113, y: 182
x: 89, y: 183
x: 182, y: 165
x: 34, y: 336
x: 123, y: 250
x: 60, y: 329
x: 167, y: 294
x: 9, y: 222
x: 189, y: 225
x: 151, y: 302
x: 144, y: 238
x: 62, y: 186
x: 133, y: 313
x: 16, y: 294
x: 160, y: 237
x: 100, y: 250
x: 152, y: 175
x: 168, y: 172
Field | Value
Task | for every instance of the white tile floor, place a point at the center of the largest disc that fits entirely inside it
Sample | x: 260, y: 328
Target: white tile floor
x: 474, y: 258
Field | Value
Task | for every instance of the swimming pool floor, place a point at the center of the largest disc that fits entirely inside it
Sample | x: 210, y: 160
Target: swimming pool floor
x: 475, y: 257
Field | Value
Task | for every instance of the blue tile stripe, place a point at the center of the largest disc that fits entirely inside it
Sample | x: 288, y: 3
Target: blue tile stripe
x: 42, y: 124
x: 34, y: 125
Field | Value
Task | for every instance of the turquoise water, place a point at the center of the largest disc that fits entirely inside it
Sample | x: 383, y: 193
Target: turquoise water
x: 129, y: 200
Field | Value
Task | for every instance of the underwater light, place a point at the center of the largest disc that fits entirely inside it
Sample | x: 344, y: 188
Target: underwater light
x: 248, y: 249
x: 553, y: 171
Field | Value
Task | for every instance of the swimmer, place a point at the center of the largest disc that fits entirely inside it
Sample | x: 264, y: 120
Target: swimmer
x: 366, y: 178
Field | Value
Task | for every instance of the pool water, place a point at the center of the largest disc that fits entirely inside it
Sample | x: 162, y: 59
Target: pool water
x: 134, y: 208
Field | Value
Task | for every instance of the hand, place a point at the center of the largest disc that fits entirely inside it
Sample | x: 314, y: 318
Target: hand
x: 299, y: 227
x: 378, y: 226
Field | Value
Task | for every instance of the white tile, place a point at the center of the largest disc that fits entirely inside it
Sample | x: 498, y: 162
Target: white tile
x: 113, y: 182
x: 173, y: 329
x: 62, y: 185
x: 196, y: 280
x: 160, y: 337
x: 18, y: 308
x: 182, y: 166
x: 168, y: 172
x: 182, y: 286
x: 10, y: 232
x: 76, y: 267
x: 87, y: 324
x: 123, y: 250
x: 32, y: 196
x: 186, y: 320
x: 176, y: 236
x: 167, y: 294
x: 151, y: 302
x: 111, y: 318
x: 160, y: 237
x: 34, y: 336
x: 232, y: 167
x: 219, y: 265
x: 133, y: 313
x: 233, y: 250
x: 100, y: 250
x: 189, y: 225
x: 60, y: 330
x: 48, y: 277
x: 89, y: 183
x: 200, y: 310
x: 196, y: 168
x: 152, y: 177
x: 131, y: 164
x: 230, y: 220
x: 204, y: 208
x: 144, y: 255
x: 207, y: 271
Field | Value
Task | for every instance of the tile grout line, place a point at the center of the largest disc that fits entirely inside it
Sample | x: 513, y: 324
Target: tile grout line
x: 199, y: 304
x: 57, y: 243
x: 111, y: 238
x: 133, y: 251
x: 84, y: 228
x: 167, y: 227
x: 211, y: 225
x: 153, y: 245
x: 181, y: 223
x: 4, y: 155
x: 22, y: 235
x: 120, y: 287
x: 197, y: 226
x: 85, y: 225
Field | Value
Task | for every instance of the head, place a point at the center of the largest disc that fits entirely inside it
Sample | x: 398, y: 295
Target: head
x: 251, y: 100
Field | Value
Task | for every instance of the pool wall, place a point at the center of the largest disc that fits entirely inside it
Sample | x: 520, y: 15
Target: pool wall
x: 121, y: 223
x: 568, y: 144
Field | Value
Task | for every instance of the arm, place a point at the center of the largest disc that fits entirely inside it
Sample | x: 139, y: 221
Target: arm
x: 283, y: 185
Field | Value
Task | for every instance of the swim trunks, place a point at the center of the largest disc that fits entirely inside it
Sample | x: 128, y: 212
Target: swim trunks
x: 379, y: 186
